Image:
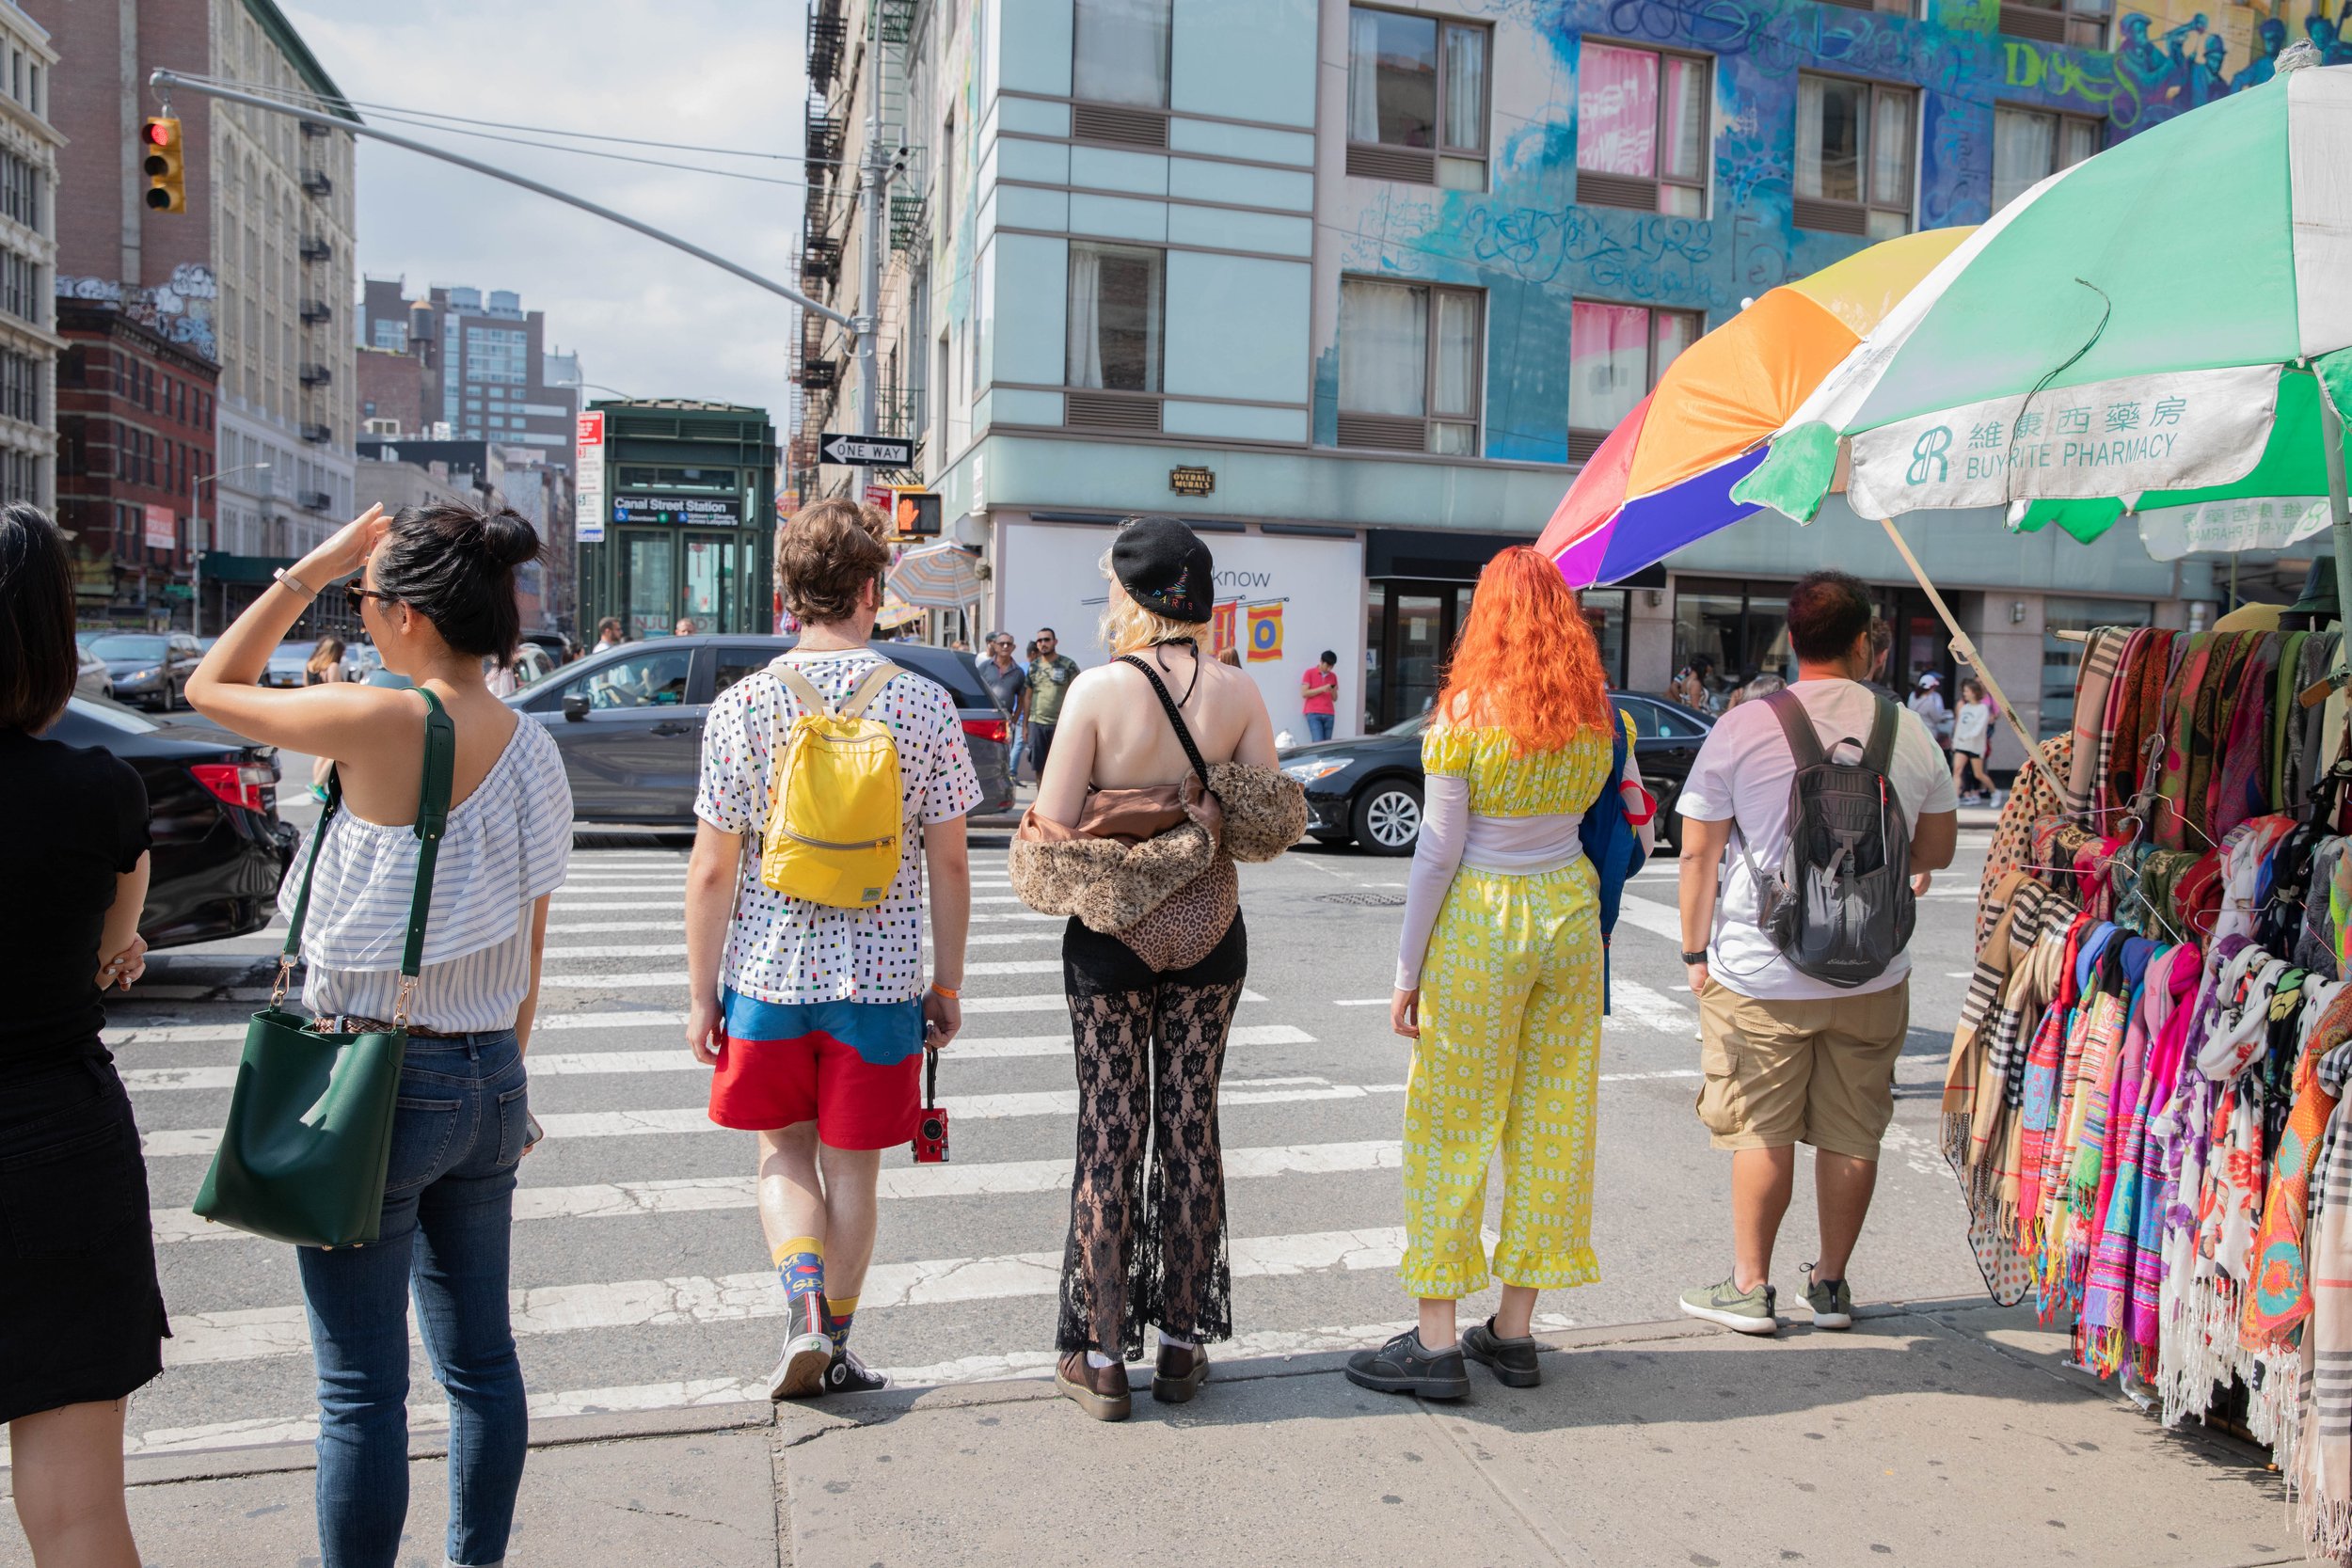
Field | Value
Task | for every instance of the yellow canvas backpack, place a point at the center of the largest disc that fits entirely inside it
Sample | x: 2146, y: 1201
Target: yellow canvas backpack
x: 835, y: 826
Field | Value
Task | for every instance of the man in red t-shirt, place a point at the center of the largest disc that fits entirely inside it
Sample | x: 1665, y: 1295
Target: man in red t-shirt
x: 1318, y: 693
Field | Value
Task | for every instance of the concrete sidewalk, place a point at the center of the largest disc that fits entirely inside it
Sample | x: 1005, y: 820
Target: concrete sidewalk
x: 1934, y: 1434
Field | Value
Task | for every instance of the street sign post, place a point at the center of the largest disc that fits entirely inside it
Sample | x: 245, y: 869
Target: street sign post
x: 869, y: 451
x: 588, y: 480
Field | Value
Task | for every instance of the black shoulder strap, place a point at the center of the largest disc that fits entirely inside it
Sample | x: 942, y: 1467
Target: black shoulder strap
x: 1879, y: 756
x: 1175, y: 718
x: 1796, y: 722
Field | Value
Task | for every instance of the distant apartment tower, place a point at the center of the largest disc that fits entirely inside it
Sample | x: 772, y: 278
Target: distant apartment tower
x: 486, y: 372
x: 29, y: 256
x: 255, y: 276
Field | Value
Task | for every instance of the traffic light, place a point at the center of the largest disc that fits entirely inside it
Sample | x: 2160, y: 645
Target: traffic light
x: 164, y: 160
x: 915, y: 513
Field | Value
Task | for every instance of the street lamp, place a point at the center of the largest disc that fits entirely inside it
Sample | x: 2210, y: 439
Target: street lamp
x: 196, y: 555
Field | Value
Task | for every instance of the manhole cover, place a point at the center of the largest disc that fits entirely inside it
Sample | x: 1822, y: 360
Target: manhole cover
x: 1371, y: 901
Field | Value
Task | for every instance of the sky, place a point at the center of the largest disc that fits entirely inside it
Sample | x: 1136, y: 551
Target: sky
x: 647, y: 320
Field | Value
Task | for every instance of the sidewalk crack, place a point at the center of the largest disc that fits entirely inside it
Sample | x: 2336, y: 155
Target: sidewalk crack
x: 1470, y: 1456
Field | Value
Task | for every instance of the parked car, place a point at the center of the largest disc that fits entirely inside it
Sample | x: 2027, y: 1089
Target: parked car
x: 532, y: 663
x: 290, y: 665
x: 94, y: 678
x: 1368, y: 790
x: 219, y: 849
x: 559, y: 648
x: 149, y: 667
x: 629, y: 720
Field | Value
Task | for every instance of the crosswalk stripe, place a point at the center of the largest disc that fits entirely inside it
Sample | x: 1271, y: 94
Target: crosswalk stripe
x: 1629, y: 999
x: 678, y: 950
x: 203, y: 1339
x: 555, y: 1064
x: 701, y: 1194
x: 195, y: 1141
x: 128, y: 1033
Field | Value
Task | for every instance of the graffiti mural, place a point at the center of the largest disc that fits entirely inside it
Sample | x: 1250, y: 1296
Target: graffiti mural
x: 1536, y: 249
x: 181, y: 310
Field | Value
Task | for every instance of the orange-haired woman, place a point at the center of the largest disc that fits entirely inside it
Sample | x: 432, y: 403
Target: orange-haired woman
x: 1499, y: 979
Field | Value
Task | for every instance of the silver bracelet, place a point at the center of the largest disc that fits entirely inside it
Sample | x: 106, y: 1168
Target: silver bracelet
x: 289, y: 580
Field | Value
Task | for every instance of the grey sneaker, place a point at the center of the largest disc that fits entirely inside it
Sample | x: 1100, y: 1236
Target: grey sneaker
x: 1404, y: 1366
x: 1832, y: 1303
x: 1512, y: 1361
x: 1740, y: 1311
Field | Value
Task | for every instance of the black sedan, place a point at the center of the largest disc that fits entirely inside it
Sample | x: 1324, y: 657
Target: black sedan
x: 212, y: 801
x: 629, y: 720
x: 1368, y: 790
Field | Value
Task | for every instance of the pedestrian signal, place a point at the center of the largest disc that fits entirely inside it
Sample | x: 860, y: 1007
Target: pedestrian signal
x: 165, y: 165
x: 916, y: 514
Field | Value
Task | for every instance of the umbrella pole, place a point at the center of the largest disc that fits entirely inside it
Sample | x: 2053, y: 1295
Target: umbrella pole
x: 2339, y: 514
x: 1966, y: 646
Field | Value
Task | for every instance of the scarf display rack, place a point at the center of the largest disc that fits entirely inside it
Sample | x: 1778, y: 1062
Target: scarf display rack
x: 2141, y: 1103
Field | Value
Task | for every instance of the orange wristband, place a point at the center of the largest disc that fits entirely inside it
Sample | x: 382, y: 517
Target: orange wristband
x: 945, y: 991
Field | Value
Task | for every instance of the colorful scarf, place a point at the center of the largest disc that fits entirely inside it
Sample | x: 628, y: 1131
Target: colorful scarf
x: 2240, y: 783
x: 2172, y: 776
x: 2132, y: 765
x: 2170, y: 1011
x: 2282, y: 709
x: 2092, y: 685
x: 2106, y: 1291
x: 2322, y: 1466
x: 2034, y: 797
x: 2279, y: 1296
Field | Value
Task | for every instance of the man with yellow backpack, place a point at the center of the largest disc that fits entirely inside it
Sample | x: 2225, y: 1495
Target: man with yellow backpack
x: 831, y: 783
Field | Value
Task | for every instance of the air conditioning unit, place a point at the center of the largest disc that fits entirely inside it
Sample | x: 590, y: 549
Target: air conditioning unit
x: 318, y: 434
x: 315, y: 501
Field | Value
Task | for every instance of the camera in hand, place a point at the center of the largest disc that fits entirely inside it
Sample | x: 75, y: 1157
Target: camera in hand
x: 931, y: 1125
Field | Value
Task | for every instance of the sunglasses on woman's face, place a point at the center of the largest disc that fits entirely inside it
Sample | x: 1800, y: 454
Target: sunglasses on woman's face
x: 358, y: 595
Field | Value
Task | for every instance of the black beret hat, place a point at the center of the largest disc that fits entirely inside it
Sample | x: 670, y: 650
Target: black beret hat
x: 1165, y: 567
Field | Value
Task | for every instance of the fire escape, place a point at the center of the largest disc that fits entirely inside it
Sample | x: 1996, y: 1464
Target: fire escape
x: 816, y: 374
x: 320, y: 290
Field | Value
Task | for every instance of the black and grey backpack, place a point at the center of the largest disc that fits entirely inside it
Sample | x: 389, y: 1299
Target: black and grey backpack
x: 1840, y: 908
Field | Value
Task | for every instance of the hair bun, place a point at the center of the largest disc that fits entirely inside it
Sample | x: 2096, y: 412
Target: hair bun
x: 508, y: 537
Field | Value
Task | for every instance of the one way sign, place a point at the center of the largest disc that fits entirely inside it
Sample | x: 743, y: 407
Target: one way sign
x: 869, y: 451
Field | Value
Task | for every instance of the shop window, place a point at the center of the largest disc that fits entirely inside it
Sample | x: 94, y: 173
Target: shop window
x: 2029, y: 146
x: 2080, y: 23
x: 1641, y: 131
x: 1855, y: 144
x: 1730, y: 633
x: 1605, y: 612
x: 1616, y: 353
x: 2061, y: 660
x: 1409, y: 367
x: 1416, y: 89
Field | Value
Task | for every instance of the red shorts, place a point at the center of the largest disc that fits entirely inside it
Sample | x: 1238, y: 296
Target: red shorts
x: 853, y: 1067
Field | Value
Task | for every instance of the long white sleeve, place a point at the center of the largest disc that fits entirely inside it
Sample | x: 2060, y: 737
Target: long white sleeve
x: 1445, y: 829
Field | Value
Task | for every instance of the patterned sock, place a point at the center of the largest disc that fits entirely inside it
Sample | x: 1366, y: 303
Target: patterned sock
x: 838, y: 1315
x: 800, y: 1270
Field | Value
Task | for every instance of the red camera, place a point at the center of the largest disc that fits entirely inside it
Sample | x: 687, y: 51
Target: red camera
x: 930, y: 1126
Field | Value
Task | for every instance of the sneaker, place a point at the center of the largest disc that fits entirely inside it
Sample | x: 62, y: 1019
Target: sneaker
x: 1512, y: 1361
x: 1403, y: 1366
x: 1832, y: 1303
x: 1740, y: 1311
x: 847, y: 1374
x: 801, y: 1370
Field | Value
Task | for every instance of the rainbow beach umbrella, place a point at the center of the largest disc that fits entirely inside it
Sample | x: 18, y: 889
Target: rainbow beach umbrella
x: 1663, y: 477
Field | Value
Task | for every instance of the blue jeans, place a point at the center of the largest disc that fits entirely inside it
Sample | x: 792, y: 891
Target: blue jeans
x: 1318, y: 726
x: 449, y: 1201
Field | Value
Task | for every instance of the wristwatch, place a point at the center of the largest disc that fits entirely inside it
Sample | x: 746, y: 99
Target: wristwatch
x: 295, y: 583
x: 1697, y: 957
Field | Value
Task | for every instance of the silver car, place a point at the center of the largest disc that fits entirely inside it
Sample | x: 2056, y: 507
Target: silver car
x: 629, y: 720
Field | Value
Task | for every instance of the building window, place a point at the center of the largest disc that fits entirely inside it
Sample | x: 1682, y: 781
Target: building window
x: 1415, y: 98
x: 1116, y: 311
x: 2029, y: 146
x: 1641, y: 131
x: 1616, y: 353
x: 2080, y: 23
x: 1409, y: 377
x: 393, y: 334
x: 19, y: 388
x: 1855, y: 142
x: 2061, y: 660
x: 947, y: 182
x: 1119, y: 53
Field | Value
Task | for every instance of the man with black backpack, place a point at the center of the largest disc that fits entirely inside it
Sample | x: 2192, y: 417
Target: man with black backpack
x: 1816, y: 809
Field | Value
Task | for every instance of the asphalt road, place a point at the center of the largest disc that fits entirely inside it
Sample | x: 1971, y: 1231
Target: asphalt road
x: 640, y: 1275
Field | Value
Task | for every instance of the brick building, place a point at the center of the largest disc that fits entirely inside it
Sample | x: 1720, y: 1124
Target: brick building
x: 135, y: 437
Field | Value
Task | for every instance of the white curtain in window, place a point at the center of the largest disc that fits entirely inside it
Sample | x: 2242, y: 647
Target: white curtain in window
x: 1683, y: 120
x: 1384, y: 346
x: 1891, y: 147
x: 1464, y: 89
x: 1120, y: 52
x: 2023, y: 145
x: 1829, y: 136
x: 1086, y: 317
x: 1363, y: 75
x: 1457, y: 355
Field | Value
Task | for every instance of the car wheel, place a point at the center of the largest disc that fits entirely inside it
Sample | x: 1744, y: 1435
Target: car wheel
x: 1386, y: 818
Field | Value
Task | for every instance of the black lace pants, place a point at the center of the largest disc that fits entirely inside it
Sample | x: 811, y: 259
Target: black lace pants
x: 1149, y: 1058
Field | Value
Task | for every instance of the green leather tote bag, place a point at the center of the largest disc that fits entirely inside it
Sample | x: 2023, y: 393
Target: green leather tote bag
x: 310, y: 1130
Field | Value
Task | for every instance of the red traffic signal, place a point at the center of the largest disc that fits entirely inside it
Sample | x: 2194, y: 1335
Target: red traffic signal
x: 165, y: 164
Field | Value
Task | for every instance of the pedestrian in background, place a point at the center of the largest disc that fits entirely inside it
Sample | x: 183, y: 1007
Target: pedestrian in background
x: 815, y: 1017
x: 1972, y: 733
x: 1228, y: 655
x: 1690, y: 686
x: 609, y: 633
x: 1050, y: 675
x: 437, y: 599
x: 1499, y: 978
x: 324, y: 667
x: 1007, y: 687
x: 81, y: 1314
x: 1318, y: 696
x: 685, y: 627
x: 1788, y: 1058
x: 1168, y: 761
x: 1927, y: 701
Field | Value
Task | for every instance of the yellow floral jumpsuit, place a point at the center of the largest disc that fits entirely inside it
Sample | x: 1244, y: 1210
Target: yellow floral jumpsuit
x: 1510, y: 1038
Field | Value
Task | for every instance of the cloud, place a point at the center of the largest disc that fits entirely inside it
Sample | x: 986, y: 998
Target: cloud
x: 645, y: 318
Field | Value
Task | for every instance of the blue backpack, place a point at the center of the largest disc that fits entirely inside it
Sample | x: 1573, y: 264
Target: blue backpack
x: 1612, y: 844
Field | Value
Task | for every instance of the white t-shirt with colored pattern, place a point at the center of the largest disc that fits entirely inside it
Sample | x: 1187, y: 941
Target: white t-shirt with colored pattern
x: 786, y: 949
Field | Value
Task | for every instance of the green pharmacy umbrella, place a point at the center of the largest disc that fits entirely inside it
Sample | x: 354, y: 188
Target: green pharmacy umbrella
x: 2162, y: 328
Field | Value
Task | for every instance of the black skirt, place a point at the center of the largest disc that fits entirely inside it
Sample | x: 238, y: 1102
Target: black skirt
x: 81, y: 1312
x: 1093, y: 963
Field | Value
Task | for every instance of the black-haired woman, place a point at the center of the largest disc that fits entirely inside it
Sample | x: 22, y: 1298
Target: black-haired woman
x: 81, y: 1316
x: 438, y: 599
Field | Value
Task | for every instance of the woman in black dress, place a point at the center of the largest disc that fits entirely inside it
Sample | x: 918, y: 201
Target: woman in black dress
x: 81, y: 1315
